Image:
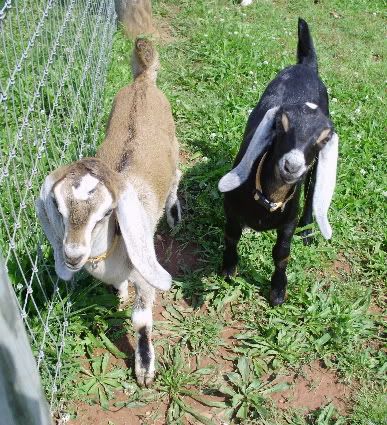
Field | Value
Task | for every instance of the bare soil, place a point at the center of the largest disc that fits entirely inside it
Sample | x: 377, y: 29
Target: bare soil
x: 314, y: 387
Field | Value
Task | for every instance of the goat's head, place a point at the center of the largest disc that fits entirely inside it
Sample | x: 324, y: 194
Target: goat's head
x: 76, y: 202
x: 297, y: 134
x: 300, y: 132
x: 85, y: 198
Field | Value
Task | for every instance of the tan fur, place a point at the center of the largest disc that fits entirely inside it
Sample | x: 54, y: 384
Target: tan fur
x: 324, y: 134
x: 285, y: 122
x: 140, y: 141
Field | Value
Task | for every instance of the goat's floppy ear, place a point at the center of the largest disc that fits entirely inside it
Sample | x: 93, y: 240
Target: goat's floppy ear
x: 52, y: 222
x: 260, y: 140
x: 325, y: 184
x: 138, y: 236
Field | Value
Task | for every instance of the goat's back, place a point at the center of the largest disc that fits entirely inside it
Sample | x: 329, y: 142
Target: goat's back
x: 140, y: 138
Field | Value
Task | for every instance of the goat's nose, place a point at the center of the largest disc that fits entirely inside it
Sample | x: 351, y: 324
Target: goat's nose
x: 73, y: 260
x: 292, y: 167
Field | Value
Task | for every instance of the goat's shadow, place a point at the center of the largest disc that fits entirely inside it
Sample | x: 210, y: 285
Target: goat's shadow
x: 192, y: 252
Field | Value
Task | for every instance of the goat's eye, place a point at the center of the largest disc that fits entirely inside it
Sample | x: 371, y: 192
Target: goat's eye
x: 108, y: 212
x: 55, y: 202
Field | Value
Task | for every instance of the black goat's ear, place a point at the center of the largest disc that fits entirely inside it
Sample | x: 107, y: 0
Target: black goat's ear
x: 325, y: 184
x: 260, y: 140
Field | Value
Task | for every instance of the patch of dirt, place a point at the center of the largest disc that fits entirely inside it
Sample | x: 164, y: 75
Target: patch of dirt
x: 376, y: 57
x: 94, y: 414
x: 163, y: 26
x: 313, y: 388
x: 164, y: 31
x: 177, y: 258
x: 341, y: 266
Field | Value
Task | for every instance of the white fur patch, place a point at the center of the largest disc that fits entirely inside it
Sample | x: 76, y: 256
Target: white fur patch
x: 311, y: 105
x: 142, y: 318
x: 138, y: 237
x: 325, y: 184
x: 87, y: 184
x: 246, y: 2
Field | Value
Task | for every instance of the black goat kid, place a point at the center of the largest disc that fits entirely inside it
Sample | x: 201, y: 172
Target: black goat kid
x: 289, y: 138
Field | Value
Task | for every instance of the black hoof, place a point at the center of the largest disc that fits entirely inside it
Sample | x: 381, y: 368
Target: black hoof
x: 306, y: 238
x: 277, y: 296
x: 229, y: 272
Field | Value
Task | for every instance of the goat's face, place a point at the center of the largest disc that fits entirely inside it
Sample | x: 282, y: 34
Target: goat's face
x: 84, y: 204
x: 301, y: 132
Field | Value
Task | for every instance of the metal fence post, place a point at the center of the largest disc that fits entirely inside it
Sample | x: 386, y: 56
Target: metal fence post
x: 22, y: 401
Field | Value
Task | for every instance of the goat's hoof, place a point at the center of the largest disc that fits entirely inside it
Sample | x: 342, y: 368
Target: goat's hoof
x: 306, y: 238
x: 229, y: 272
x: 277, y: 296
x: 145, y: 379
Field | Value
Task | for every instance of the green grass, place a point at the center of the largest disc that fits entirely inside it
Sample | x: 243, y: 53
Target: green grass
x: 213, y: 71
x: 217, y: 60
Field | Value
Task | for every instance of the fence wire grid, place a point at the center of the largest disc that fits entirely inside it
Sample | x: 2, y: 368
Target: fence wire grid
x: 53, y: 63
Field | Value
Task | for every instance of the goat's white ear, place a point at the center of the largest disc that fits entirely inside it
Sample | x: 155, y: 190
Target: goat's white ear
x: 52, y: 224
x: 260, y: 140
x: 138, y: 236
x: 325, y: 184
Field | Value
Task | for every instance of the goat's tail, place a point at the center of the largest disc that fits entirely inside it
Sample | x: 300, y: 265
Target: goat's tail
x: 145, y: 59
x: 306, y: 53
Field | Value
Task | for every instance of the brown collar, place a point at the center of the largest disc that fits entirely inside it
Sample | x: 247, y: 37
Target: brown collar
x: 95, y: 260
x: 259, y: 196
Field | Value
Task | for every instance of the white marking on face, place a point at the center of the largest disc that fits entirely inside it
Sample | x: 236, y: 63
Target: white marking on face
x: 311, y: 105
x: 86, y: 185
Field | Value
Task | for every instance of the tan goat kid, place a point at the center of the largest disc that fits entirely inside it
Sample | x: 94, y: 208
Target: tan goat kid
x: 101, y: 213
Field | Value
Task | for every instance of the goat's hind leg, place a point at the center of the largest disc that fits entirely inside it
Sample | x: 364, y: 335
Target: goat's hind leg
x: 232, y: 234
x: 172, y: 205
x: 281, y: 252
x: 142, y: 323
x: 307, y: 213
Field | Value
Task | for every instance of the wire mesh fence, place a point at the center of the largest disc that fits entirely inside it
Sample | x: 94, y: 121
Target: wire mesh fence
x: 53, y: 62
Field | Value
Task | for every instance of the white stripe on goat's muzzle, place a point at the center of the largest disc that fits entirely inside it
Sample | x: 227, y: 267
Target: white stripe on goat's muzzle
x: 292, y: 166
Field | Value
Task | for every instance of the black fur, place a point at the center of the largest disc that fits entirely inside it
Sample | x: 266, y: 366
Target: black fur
x: 291, y: 89
x: 143, y: 348
x: 174, y: 211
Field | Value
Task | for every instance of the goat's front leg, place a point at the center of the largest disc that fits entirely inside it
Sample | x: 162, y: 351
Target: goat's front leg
x: 122, y: 289
x: 281, y: 252
x: 142, y: 323
x: 232, y: 234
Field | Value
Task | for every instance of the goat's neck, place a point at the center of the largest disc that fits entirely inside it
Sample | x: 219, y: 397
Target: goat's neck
x: 273, y: 187
x: 103, y: 240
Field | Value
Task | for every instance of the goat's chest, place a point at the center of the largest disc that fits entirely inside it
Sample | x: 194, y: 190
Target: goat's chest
x: 114, y: 269
x: 250, y: 213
